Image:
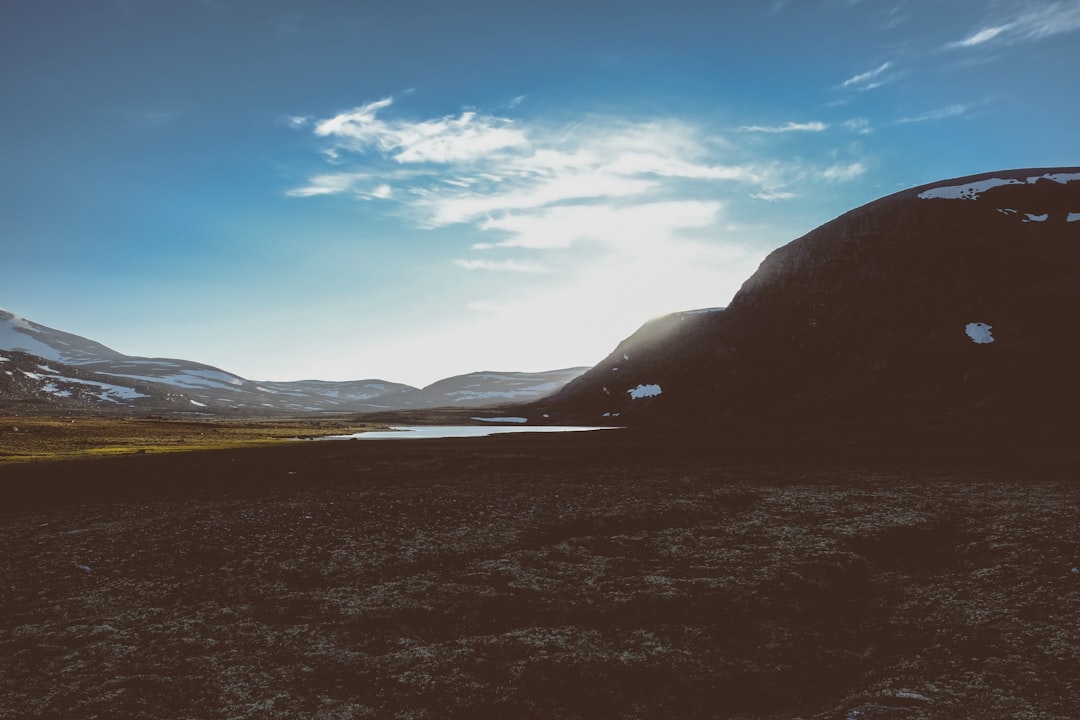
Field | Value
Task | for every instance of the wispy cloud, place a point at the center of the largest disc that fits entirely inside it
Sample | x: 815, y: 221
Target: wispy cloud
x: 982, y: 36
x: 614, y: 226
x: 599, y: 204
x: 502, y: 266
x: 867, y: 80
x: 463, y: 169
x: 860, y: 126
x: 773, y: 195
x: 1055, y: 18
x: 850, y: 171
x: 328, y: 185
x: 815, y: 126
x: 443, y: 140
x: 943, y: 113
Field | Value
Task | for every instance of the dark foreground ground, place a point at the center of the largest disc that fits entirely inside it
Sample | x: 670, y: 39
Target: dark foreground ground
x: 576, y: 576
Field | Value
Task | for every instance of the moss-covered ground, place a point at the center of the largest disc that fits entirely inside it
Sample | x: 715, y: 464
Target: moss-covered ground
x: 66, y: 437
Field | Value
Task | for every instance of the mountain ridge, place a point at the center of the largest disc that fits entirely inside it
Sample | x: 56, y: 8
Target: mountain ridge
x: 48, y: 368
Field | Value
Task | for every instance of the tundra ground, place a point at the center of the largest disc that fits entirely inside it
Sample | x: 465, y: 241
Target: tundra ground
x: 604, y: 575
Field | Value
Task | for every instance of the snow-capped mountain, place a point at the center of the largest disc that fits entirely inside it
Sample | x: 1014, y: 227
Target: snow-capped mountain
x: 20, y: 334
x: 958, y: 299
x: 44, y: 367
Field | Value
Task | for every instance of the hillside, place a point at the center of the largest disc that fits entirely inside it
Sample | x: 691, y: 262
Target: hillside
x: 952, y: 301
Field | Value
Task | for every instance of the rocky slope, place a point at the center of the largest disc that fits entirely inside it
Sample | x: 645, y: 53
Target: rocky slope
x: 955, y: 300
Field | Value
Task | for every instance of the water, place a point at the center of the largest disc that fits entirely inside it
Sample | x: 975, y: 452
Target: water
x: 417, y: 432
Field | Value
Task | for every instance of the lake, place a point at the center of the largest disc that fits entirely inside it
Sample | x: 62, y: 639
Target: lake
x: 418, y: 432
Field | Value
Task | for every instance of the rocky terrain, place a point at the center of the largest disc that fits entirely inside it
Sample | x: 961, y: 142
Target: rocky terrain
x: 614, y: 576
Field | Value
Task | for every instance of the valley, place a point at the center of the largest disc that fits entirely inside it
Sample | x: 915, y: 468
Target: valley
x: 850, y: 493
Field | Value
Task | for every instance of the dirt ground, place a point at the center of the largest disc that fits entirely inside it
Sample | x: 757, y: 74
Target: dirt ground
x: 601, y: 575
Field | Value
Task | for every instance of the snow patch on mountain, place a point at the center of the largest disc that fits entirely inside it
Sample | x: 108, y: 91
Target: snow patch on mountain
x: 644, y: 391
x: 202, y: 378
x: 979, y: 332
x: 1073, y: 217
x: 52, y: 389
x: 1037, y: 218
x: 972, y: 190
x: 14, y: 335
x: 105, y: 391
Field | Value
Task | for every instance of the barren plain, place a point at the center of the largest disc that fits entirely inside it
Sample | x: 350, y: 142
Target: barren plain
x: 619, y: 575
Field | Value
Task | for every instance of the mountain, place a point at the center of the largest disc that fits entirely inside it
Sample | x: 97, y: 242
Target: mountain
x: 44, y: 368
x: 479, y: 389
x: 958, y: 300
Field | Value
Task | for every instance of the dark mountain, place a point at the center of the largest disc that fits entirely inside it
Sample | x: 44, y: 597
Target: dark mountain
x: 44, y: 368
x: 956, y: 300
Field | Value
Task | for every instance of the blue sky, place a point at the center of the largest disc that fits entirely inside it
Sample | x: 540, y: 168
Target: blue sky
x: 410, y: 190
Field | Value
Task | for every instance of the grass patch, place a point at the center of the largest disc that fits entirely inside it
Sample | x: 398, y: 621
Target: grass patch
x: 25, y: 439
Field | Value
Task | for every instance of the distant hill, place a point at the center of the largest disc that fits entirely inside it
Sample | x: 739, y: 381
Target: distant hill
x: 478, y: 390
x: 955, y: 300
x: 46, y: 369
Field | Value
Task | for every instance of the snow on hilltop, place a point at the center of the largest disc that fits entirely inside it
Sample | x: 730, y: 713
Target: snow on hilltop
x: 972, y: 190
x: 18, y: 333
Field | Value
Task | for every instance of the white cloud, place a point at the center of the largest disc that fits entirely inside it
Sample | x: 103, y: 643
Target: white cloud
x: 867, y: 80
x: 327, y: 185
x: 502, y: 266
x: 773, y: 195
x: 462, y: 169
x: 445, y: 209
x: 444, y: 140
x: 944, y: 113
x: 614, y: 220
x: 786, y: 128
x: 1050, y: 19
x: 626, y: 228
x: 980, y: 37
x: 843, y: 172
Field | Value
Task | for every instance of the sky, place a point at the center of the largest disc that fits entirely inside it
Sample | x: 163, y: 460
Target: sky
x: 410, y: 190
